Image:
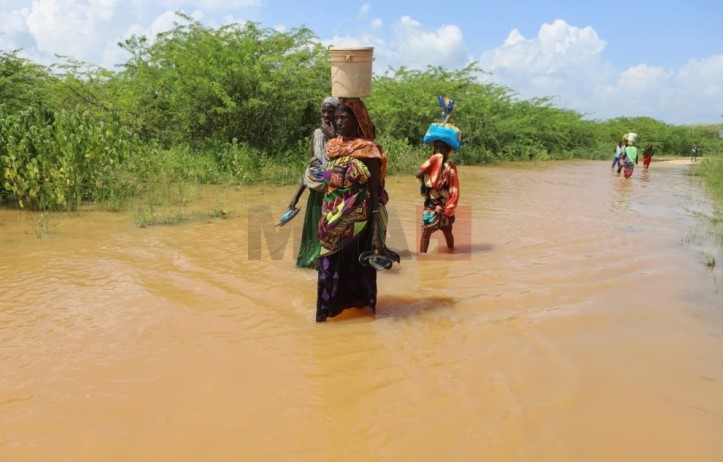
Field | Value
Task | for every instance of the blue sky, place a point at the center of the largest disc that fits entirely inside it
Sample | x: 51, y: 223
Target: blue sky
x: 604, y: 59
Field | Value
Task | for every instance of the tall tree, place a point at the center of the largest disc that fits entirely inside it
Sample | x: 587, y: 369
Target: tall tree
x: 194, y: 84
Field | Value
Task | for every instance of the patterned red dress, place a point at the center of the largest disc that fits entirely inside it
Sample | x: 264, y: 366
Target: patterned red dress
x: 440, y: 188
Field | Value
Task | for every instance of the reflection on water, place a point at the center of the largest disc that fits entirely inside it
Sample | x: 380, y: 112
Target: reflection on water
x: 644, y: 177
x: 624, y: 189
x: 577, y: 321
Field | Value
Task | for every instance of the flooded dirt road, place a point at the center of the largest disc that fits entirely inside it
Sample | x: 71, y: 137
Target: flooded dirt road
x: 579, y: 319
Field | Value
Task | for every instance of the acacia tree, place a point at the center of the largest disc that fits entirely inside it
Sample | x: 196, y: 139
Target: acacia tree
x: 23, y: 84
x: 194, y: 84
x: 404, y: 101
x: 495, y: 124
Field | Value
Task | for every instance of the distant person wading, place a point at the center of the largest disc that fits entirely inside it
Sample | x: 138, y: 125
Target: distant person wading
x: 630, y: 156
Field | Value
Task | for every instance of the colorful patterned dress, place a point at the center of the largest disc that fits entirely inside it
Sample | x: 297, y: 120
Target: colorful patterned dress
x: 631, y: 158
x: 440, y: 188
x: 345, y: 228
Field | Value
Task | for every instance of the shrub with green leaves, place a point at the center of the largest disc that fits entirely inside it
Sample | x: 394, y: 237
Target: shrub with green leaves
x: 55, y: 160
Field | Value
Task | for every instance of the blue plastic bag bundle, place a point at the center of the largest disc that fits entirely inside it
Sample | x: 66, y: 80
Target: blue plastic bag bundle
x: 429, y: 217
x: 443, y: 132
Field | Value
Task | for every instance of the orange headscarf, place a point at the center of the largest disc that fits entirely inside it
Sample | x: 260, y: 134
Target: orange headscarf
x: 361, y: 114
x: 363, y: 147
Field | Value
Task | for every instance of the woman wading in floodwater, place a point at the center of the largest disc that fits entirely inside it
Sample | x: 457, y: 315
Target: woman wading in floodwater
x: 313, y: 180
x: 439, y: 180
x: 353, y: 217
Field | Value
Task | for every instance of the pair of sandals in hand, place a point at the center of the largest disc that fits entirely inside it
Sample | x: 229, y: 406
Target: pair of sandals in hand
x: 382, y: 260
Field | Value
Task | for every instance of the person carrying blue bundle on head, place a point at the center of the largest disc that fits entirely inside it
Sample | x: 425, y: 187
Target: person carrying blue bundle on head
x: 439, y: 183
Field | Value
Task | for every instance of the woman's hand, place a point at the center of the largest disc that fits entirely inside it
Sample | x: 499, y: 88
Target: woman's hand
x: 295, y: 199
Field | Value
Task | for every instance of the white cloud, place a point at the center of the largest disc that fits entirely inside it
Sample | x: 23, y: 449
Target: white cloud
x: 114, y: 55
x: 702, y: 79
x: 561, y: 61
x: 417, y: 46
x: 209, y: 5
x: 231, y: 19
x: 365, y: 40
x: 70, y: 27
x: 227, y: 4
x: 693, y: 93
x: 566, y: 62
x: 14, y: 32
x: 89, y: 30
x: 558, y: 53
x: 413, y: 46
x: 641, y: 78
x: 162, y: 23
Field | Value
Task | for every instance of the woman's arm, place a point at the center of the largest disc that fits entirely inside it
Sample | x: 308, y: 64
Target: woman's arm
x: 295, y: 199
x: 300, y: 190
x: 451, y: 205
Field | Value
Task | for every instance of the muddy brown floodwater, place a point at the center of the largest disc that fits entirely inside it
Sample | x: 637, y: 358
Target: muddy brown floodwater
x: 578, y: 320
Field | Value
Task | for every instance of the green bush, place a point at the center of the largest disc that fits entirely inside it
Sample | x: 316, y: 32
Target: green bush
x: 55, y: 160
x: 711, y: 168
x: 401, y: 157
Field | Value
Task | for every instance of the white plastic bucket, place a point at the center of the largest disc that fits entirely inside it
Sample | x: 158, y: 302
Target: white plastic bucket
x: 351, y: 72
x: 632, y: 137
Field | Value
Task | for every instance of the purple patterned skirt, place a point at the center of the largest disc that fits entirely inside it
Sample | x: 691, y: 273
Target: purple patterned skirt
x: 343, y: 282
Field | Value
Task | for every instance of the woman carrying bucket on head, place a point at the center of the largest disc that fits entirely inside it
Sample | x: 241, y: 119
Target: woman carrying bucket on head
x: 630, y: 156
x: 352, y: 228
